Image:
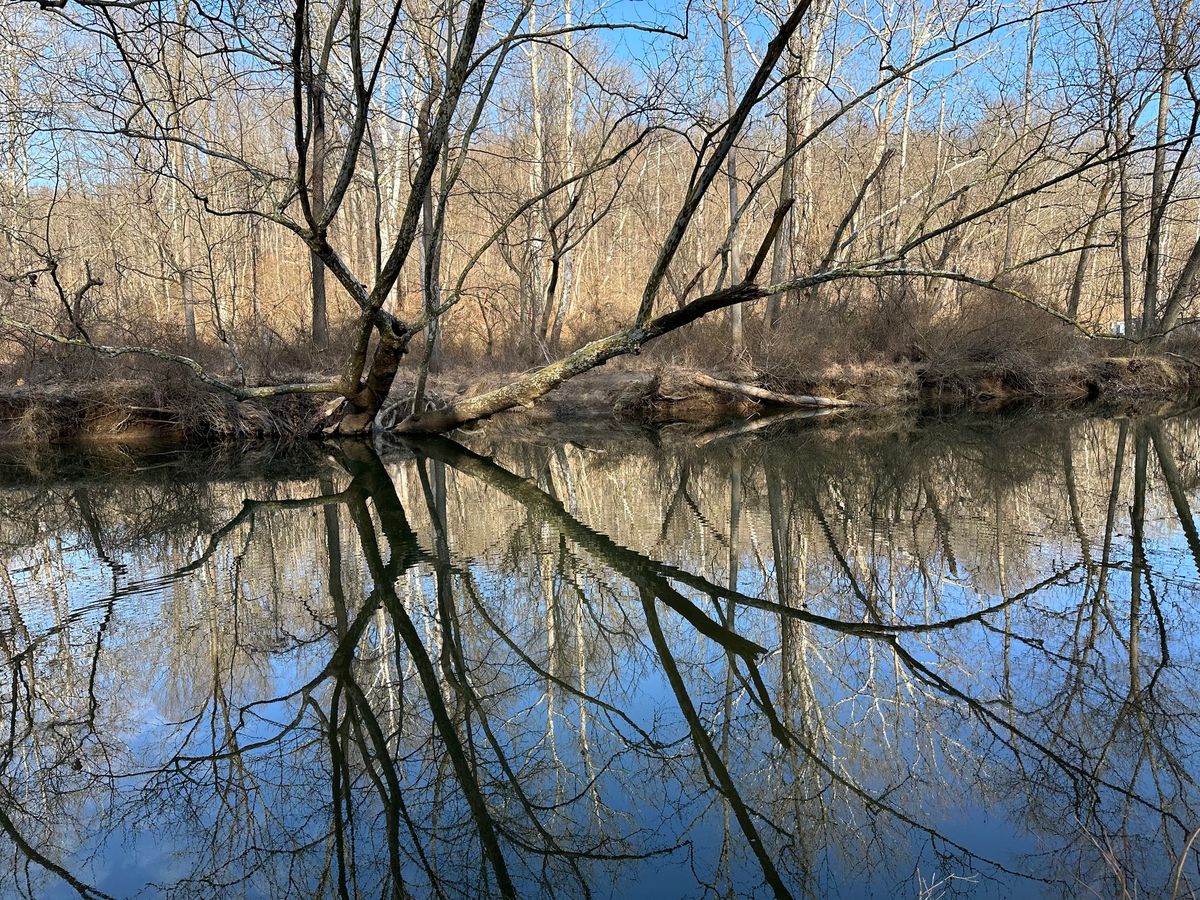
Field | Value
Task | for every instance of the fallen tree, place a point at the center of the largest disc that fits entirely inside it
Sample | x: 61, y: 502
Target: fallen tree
x: 761, y: 394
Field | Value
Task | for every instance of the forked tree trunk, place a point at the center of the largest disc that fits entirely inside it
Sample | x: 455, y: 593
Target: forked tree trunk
x: 355, y: 414
x: 363, y: 397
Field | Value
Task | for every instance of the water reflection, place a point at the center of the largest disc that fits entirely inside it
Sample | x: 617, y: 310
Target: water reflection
x: 948, y: 660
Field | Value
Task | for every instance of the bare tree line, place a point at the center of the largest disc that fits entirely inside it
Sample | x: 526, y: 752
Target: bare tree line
x: 266, y: 192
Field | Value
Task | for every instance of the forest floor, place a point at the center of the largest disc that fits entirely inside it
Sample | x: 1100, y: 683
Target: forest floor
x: 632, y: 391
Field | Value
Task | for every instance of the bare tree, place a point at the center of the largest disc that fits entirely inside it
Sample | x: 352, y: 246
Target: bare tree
x: 498, y: 179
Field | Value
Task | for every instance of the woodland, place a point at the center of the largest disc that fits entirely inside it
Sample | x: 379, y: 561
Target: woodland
x: 341, y: 201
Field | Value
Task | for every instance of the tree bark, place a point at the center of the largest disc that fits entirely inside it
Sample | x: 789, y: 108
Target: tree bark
x: 735, y: 312
x: 1158, y: 207
x: 320, y: 316
x: 1085, y: 254
x: 781, y: 259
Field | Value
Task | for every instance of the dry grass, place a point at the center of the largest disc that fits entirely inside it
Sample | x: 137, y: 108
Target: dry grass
x: 889, y: 349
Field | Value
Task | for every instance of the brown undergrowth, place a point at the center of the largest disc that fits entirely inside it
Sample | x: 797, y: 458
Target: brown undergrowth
x: 892, y: 352
x: 142, y: 412
x: 174, y: 409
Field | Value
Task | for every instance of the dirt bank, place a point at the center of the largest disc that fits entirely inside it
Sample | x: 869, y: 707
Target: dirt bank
x: 138, y: 412
x: 666, y: 394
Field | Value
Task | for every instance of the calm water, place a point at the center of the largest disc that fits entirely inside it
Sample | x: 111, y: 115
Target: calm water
x: 953, y: 659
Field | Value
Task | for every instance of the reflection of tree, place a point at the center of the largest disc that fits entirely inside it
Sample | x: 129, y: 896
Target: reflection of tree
x: 442, y: 677
x: 647, y: 575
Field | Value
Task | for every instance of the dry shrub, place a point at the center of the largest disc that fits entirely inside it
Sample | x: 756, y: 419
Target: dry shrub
x: 994, y: 340
x: 909, y: 320
x: 205, y: 415
x: 1185, y: 341
x: 870, y: 382
x: 1138, y: 377
x: 706, y: 344
x: 892, y: 322
x: 31, y: 425
x: 172, y: 406
x: 273, y: 356
x: 838, y: 330
x: 266, y: 355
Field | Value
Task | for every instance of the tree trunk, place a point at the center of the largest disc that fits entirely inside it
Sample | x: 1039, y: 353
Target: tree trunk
x: 1183, y: 291
x: 525, y: 390
x: 540, y: 220
x: 1085, y: 254
x: 320, y: 317
x: 735, y: 312
x: 568, y: 136
x: 356, y: 413
x: 179, y: 216
x: 1011, y: 239
x: 1126, y: 250
x: 1158, y: 206
x: 781, y: 259
x: 762, y: 394
x: 186, y: 295
x: 431, y: 264
x: 360, y: 406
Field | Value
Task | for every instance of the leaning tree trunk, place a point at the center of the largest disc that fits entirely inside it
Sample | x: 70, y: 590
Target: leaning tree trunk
x: 1183, y: 291
x: 526, y: 389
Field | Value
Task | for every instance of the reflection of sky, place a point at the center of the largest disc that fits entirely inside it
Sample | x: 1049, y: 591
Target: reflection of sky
x: 937, y: 763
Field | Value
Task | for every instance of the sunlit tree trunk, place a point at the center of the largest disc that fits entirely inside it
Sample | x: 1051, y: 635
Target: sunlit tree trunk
x: 731, y: 99
x: 1169, y: 32
x: 566, y: 288
x: 1013, y: 231
x: 782, y: 257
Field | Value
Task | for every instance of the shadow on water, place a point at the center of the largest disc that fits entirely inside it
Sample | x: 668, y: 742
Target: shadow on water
x: 956, y: 659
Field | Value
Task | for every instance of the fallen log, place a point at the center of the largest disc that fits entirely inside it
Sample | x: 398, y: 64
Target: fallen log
x: 765, y: 396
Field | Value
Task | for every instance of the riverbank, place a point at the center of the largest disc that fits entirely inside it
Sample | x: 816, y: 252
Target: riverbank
x: 136, y: 412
